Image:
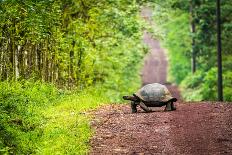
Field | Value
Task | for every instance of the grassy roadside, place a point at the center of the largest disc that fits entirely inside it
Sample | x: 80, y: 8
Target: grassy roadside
x: 67, y: 130
x: 37, y: 118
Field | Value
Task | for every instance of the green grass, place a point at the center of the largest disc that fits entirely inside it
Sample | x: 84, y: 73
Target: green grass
x: 37, y: 118
x: 21, y: 106
x: 67, y: 130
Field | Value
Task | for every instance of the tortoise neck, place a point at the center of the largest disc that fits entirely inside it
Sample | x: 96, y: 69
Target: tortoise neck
x: 136, y: 98
x: 132, y: 98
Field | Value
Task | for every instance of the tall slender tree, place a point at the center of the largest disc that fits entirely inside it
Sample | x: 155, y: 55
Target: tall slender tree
x: 220, y: 86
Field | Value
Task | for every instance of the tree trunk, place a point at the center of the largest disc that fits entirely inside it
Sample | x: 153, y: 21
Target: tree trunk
x: 193, y: 31
x: 17, y: 62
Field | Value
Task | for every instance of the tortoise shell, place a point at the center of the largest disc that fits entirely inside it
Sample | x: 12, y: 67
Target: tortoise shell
x: 154, y: 92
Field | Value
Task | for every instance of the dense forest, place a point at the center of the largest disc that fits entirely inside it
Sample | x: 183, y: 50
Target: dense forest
x: 189, y: 32
x: 59, y: 58
x: 63, y: 56
x: 69, y: 43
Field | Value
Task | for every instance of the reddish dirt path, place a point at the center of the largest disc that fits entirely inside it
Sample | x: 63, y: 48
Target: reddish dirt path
x: 193, y: 129
x: 203, y: 128
x: 155, y: 63
x: 155, y: 66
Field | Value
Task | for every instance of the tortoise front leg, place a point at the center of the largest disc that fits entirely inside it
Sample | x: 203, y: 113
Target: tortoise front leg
x: 133, y: 107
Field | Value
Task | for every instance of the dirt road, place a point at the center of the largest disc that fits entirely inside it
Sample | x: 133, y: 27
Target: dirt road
x: 193, y: 129
x: 155, y: 66
x: 155, y: 62
x: 203, y: 128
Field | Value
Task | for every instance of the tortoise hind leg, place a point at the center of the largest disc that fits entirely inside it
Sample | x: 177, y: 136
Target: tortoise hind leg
x: 144, y: 107
x: 173, y: 106
x: 170, y: 106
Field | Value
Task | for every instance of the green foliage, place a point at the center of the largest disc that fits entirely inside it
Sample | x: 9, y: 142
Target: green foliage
x: 203, y: 86
x: 200, y: 86
x: 176, y: 39
x: 66, y: 129
x: 92, y: 47
x: 20, y: 106
x: 69, y: 43
x: 174, y: 19
x: 37, y: 118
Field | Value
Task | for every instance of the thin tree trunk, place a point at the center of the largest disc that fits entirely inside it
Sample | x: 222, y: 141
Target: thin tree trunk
x: 11, y: 58
x: 39, y: 61
x: 193, y: 31
x: 1, y: 59
x: 25, y: 63
x: 79, y: 63
x: 17, y: 61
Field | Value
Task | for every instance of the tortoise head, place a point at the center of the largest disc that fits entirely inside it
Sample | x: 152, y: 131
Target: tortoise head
x: 174, y: 99
x: 132, y: 98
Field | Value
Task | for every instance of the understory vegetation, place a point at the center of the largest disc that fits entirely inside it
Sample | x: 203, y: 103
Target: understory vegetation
x: 37, y: 118
x: 58, y: 60
x: 188, y: 31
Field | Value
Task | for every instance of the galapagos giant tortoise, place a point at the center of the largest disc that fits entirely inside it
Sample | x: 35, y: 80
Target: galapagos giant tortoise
x: 152, y: 95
